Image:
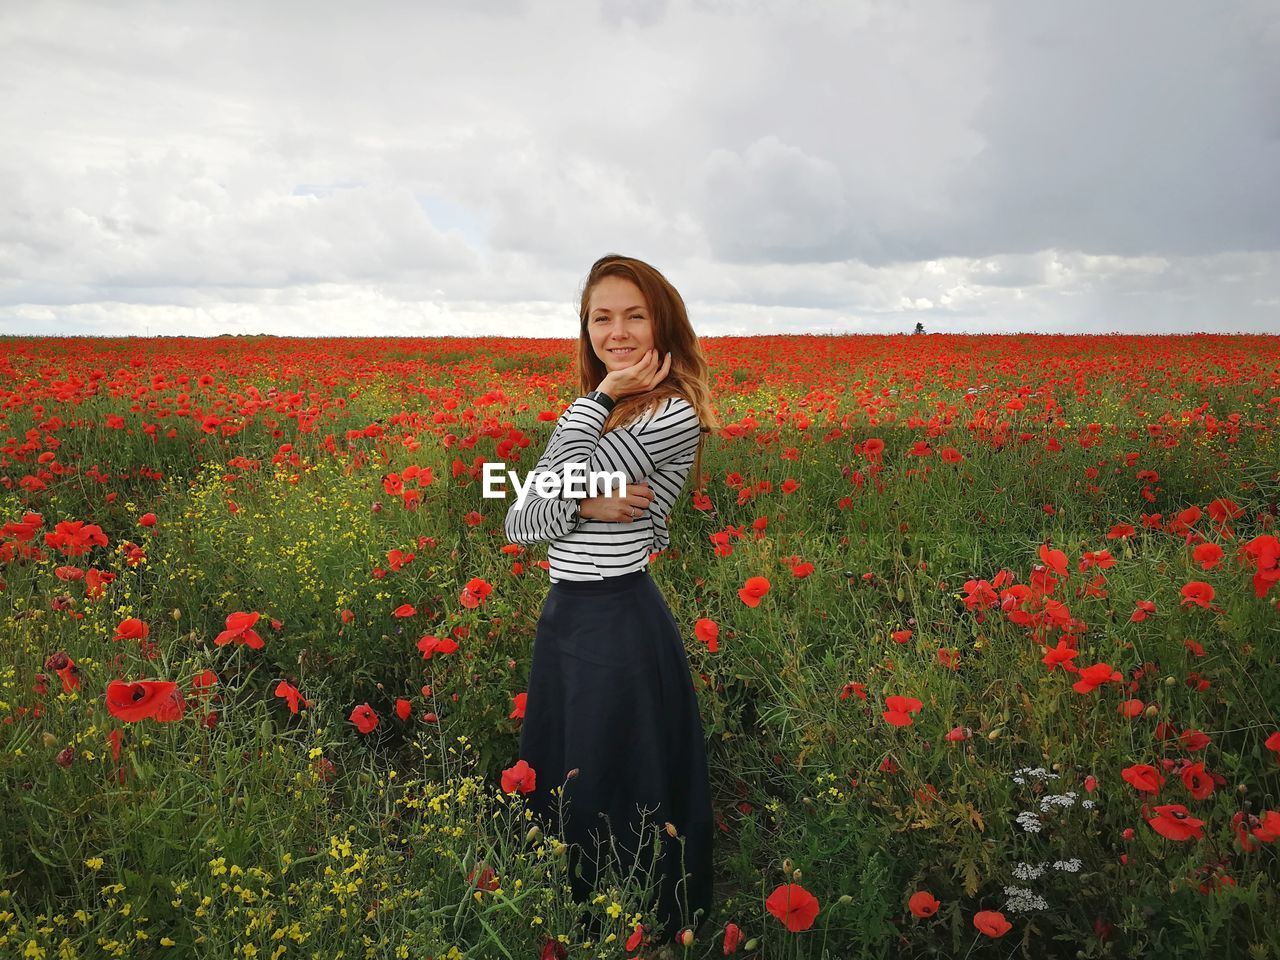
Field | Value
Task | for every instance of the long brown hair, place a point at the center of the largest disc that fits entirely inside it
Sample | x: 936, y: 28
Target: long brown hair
x: 689, y: 376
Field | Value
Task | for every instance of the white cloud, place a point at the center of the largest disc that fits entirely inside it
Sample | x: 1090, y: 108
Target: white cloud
x: 457, y: 166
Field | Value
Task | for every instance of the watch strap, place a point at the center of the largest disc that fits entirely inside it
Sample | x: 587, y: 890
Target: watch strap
x: 601, y: 398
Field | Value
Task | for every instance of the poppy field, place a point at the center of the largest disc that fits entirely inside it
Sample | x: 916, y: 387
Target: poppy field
x: 984, y: 632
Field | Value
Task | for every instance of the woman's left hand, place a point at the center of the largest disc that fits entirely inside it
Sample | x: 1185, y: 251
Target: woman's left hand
x: 641, y: 377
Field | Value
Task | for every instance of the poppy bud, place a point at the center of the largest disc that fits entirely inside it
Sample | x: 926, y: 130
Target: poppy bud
x: 1170, y: 681
x: 670, y: 828
x: 845, y: 899
x: 751, y: 944
x: 571, y: 774
x: 686, y: 938
x: 559, y: 849
x: 48, y: 739
x: 786, y: 865
x: 65, y: 757
x: 534, y: 833
x: 995, y: 734
x: 176, y: 614
x: 795, y: 875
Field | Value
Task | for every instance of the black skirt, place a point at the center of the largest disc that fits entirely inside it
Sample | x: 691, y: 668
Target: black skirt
x: 610, y: 695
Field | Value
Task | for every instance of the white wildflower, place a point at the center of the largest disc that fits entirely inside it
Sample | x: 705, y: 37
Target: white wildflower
x: 1035, y: 773
x: 1021, y: 900
x: 1065, y: 800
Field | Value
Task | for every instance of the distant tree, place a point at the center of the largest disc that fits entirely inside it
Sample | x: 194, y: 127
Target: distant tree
x: 919, y: 327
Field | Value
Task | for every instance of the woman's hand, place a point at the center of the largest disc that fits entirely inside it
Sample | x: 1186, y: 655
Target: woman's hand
x: 625, y: 509
x: 640, y: 377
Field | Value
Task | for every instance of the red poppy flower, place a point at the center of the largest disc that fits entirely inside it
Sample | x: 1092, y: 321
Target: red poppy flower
x: 1272, y: 743
x: 519, y: 700
x: 795, y: 906
x: 637, y: 938
x: 1264, y: 553
x: 114, y: 739
x: 364, y: 718
x: 1145, y: 609
x: 289, y: 693
x: 753, y: 590
x: 1061, y: 656
x: 171, y: 707
x: 1197, y: 780
x: 900, y: 709
x: 430, y: 646
x: 475, y: 592
x: 240, y: 630
x: 131, y: 628
x: 992, y: 923
x: 1130, y: 708
x: 136, y: 701
x: 1143, y: 777
x: 1208, y: 555
x: 1197, y: 592
x: 708, y: 631
x: 203, y: 683
x: 733, y: 936
x: 1193, y: 740
x: 1173, y: 822
x: 520, y: 777
x: 403, y: 708
x: 853, y: 688
x: 1055, y: 560
x: 923, y: 904
x: 1095, y: 676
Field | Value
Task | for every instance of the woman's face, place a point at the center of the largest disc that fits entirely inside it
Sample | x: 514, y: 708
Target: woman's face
x: 619, y: 323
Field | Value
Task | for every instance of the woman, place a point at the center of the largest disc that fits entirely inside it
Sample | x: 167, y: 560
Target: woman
x: 611, y: 724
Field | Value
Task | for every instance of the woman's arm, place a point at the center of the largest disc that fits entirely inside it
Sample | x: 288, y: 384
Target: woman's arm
x: 658, y: 449
x: 542, y: 519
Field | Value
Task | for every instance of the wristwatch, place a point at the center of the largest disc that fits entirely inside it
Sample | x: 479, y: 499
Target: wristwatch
x: 602, y: 398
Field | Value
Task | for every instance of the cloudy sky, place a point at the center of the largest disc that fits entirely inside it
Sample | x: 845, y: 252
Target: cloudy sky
x: 455, y: 166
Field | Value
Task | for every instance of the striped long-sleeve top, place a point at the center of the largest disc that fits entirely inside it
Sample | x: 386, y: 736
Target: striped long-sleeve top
x: 658, y: 449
